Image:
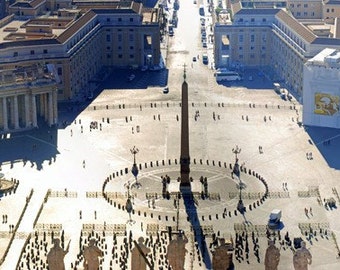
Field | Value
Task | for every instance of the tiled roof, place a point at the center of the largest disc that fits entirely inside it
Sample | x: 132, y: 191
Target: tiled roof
x: 297, y: 27
x: 236, y: 7
x: 35, y: 3
x: 327, y: 41
x: 137, y: 7
x: 30, y: 42
x: 333, y: 2
x: 69, y: 32
x: 258, y: 11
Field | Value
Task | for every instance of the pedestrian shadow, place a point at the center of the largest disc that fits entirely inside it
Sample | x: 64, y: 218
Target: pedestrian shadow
x: 327, y: 140
x: 191, y: 211
x: 32, y: 147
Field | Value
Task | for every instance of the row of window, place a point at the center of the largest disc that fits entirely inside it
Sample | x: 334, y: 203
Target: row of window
x: 120, y: 56
x: 299, y: 5
x: 119, y: 48
x: 119, y: 19
x: 251, y: 56
x: 305, y: 14
x: 32, y: 52
x: 251, y: 20
x: 120, y: 37
x: 252, y: 48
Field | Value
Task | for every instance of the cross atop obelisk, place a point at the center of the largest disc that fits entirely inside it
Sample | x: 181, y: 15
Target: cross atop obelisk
x: 185, y: 157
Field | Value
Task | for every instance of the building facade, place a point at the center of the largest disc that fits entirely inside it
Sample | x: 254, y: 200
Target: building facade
x: 76, y: 49
x: 25, y: 97
x: 271, y: 39
x: 321, y: 94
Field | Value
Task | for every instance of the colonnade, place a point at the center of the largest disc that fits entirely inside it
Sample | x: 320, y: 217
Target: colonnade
x: 22, y: 110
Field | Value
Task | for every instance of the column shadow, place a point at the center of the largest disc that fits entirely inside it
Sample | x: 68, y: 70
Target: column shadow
x: 192, y: 216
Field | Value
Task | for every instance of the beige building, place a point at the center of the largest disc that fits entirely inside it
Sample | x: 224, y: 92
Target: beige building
x: 330, y: 10
x: 305, y: 9
x: 272, y: 39
x: 76, y: 49
x: 30, y: 8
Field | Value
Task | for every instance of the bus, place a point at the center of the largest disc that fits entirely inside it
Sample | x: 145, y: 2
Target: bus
x: 227, y: 75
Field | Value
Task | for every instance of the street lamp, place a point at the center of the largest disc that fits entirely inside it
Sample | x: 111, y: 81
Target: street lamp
x: 134, y: 169
x: 240, y: 185
x: 128, y: 204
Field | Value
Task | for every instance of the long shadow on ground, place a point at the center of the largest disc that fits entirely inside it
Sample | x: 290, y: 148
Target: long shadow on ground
x: 191, y: 210
x: 33, y: 147
x: 327, y: 140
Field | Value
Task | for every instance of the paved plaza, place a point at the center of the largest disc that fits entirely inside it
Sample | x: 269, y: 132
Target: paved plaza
x: 73, y: 180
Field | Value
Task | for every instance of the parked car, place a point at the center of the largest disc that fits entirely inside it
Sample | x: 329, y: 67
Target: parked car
x: 194, y: 59
x: 166, y: 90
x: 205, y: 59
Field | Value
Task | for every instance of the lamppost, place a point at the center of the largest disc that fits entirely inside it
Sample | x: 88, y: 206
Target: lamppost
x: 134, y: 169
x: 128, y: 204
x: 240, y: 185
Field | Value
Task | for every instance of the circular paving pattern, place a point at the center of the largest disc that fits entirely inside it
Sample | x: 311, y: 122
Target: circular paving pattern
x: 158, y: 194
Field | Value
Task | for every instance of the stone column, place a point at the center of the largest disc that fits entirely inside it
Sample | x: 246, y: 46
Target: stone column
x: 27, y: 111
x: 15, y: 112
x: 34, y: 112
x: 45, y: 106
x: 4, y: 113
x: 50, y: 109
x: 55, y: 106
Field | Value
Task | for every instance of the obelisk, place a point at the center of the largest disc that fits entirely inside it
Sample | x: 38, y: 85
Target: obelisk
x: 185, y: 157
